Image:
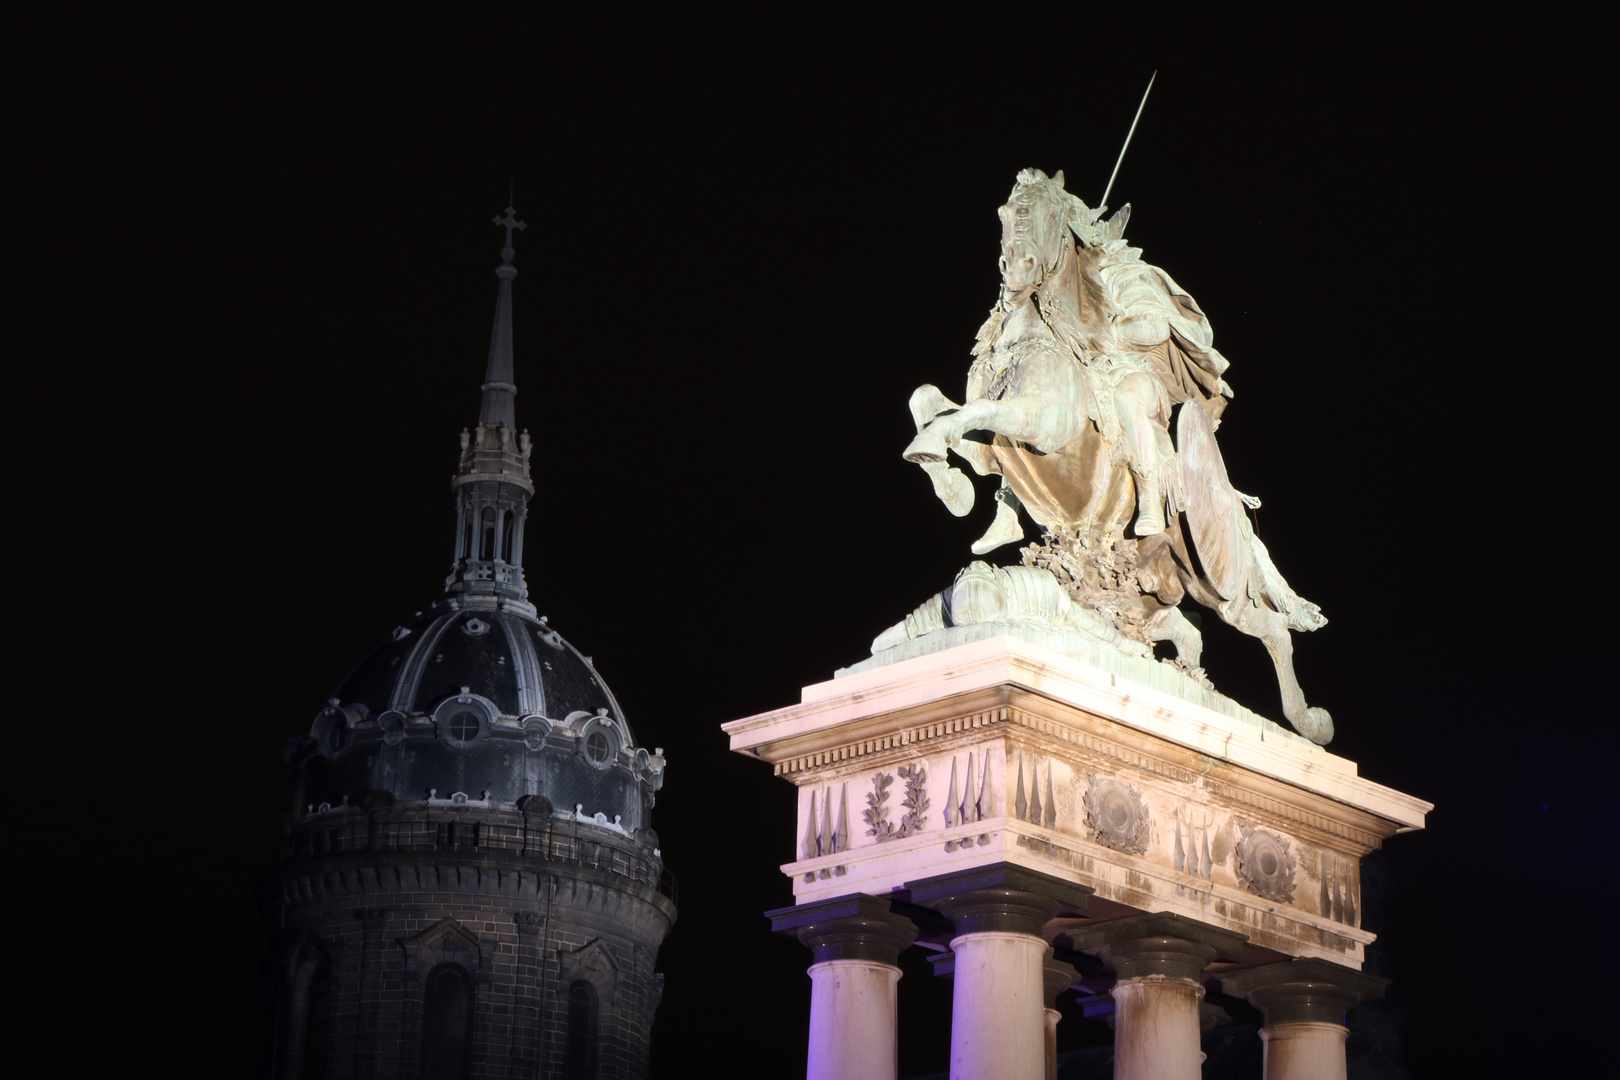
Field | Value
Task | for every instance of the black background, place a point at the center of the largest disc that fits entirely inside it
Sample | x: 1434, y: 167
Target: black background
x: 266, y: 303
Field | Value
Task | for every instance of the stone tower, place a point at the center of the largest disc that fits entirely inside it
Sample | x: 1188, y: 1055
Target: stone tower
x: 469, y: 882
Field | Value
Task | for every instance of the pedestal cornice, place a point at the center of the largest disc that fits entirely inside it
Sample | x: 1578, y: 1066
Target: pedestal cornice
x: 974, y: 686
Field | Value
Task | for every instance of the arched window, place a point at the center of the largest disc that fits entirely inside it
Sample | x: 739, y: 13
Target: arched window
x: 507, y: 520
x: 317, y: 1018
x: 581, y: 1063
x: 445, y: 1019
x: 487, y: 547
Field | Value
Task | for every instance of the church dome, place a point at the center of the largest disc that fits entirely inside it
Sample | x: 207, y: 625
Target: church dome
x: 484, y: 706
x: 519, y: 664
x: 471, y: 794
x: 478, y: 701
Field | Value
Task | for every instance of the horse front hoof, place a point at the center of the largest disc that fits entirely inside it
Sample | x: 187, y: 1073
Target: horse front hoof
x: 926, y: 449
x: 1316, y: 725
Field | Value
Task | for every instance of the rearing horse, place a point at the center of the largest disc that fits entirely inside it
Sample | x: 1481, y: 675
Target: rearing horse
x: 1063, y: 404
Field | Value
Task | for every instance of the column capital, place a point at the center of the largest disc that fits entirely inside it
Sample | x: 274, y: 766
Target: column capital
x: 1001, y: 896
x: 1159, y: 944
x: 1056, y: 977
x: 853, y: 927
x: 1303, y: 991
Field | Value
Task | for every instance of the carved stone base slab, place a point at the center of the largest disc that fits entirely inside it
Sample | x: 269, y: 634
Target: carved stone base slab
x: 1001, y: 750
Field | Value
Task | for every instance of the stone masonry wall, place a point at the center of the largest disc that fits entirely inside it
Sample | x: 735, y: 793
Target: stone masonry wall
x: 378, y: 899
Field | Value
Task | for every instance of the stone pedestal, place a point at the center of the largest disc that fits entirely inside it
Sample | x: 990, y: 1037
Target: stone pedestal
x: 1304, y: 1002
x: 1117, y: 778
x: 854, y: 942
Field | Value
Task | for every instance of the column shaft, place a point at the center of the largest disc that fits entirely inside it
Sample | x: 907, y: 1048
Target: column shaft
x: 1305, y: 1050
x: 998, y: 1011
x: 1156, y: 1029
x: 1052, y: 1018
x: 853, y: 1010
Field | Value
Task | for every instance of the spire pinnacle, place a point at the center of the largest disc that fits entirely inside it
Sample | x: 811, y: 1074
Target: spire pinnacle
x: 510, y: 222
x: 499, y: 389
x: 492, y: 483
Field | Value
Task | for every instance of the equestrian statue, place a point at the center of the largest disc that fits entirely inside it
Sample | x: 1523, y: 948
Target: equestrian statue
x: 1094, y: 394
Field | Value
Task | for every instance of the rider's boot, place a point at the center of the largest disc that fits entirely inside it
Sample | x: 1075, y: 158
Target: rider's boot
x: 1005, y: 529
x: 953, y: 489
x: 1149, y: 503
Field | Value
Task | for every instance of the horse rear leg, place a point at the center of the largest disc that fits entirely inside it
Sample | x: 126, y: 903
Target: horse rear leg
x: 1271, y: 627
x: 1169, y: 624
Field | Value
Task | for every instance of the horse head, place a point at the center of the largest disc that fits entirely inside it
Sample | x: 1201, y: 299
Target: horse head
x: 1036, y: 225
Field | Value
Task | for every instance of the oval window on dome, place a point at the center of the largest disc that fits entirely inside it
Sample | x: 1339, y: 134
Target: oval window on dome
x: 463, y: 727
x: 464, y: 719
x: 599, y: 742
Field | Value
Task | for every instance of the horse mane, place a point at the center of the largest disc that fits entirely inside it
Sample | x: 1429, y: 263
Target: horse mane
x: 1074, y: 303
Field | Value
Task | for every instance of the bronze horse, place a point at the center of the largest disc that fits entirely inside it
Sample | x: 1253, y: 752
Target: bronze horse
x: 1065, y: 407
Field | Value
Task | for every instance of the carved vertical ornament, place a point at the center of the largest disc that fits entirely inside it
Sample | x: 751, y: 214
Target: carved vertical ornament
x: 1036, y: 808
x: 1193, y: 857
x: 970, y: 807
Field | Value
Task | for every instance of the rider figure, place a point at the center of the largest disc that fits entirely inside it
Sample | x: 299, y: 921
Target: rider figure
x: 1165, y: 343
x: 1143, y: 345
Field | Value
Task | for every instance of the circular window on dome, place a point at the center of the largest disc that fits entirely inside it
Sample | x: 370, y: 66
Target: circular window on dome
x: 331, y: 731
x: 463, y: 726
x: 464, y: 720
x: 599, y: 742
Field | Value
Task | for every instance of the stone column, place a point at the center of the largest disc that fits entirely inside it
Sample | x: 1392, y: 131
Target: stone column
x: 854, y: 942
x: 1304, y: 1002
x: 1158, y: 961
x: 1056, y: 978
x: 998, y: 1011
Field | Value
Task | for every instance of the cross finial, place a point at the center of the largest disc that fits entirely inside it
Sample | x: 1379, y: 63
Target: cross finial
x: 510, y: 221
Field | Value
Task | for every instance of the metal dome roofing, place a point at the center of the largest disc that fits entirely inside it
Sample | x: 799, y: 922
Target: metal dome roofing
x: 473, y: 703
x: 519, y: 664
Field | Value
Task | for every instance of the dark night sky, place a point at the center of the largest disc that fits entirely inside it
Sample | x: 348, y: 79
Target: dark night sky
x: 745, y: 250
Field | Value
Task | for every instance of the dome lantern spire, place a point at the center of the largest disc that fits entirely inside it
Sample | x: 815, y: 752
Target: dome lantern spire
x: 492, y: 483
x: 499, y: 390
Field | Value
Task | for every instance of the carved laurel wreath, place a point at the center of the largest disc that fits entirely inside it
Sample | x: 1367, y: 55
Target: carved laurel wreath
x: 1265, y: 866
x: 915, y: 804
x: 1116, y: 815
